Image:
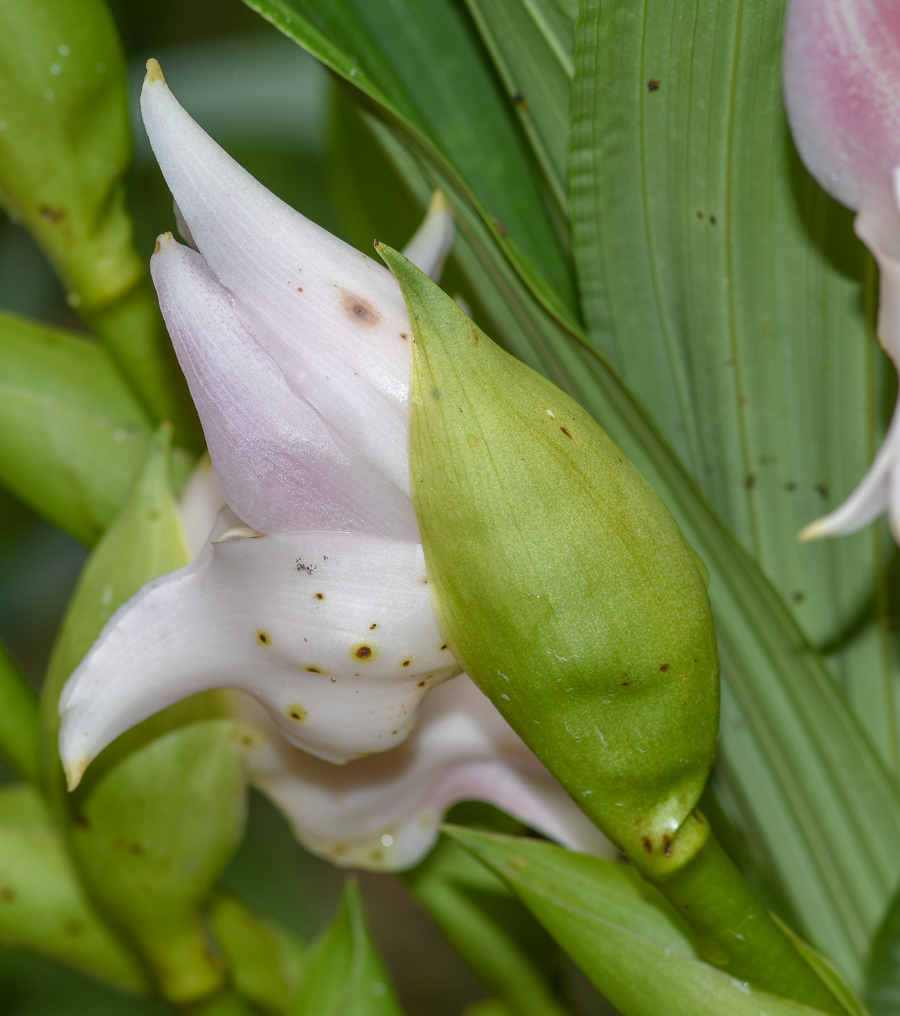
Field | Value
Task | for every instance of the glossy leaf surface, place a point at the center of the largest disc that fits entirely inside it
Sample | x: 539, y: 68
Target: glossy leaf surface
x: 64, y: 150
x: 345, y: 976
x: 500, y: 941
x: 266, y: 962
x: 621, y: 932
x: 43, y: 906
x: 72, y: 436
x: 19, y: 723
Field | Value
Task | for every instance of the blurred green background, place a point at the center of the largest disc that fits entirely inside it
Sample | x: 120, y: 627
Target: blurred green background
x: 278, y: 112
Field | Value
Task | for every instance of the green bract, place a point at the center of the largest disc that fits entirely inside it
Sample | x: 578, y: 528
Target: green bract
x: 561, y: 582
x: 65, y: 146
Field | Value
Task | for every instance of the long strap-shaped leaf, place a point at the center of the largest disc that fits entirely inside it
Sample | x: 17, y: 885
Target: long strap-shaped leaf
x: 819, y: 758
x: 730, y: 293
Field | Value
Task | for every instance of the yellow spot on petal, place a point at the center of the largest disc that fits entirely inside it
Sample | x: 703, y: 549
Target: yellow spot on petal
x: 296, y: 712
x: 263, y: 638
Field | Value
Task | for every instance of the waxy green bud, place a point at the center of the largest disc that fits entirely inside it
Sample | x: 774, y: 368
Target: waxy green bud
x: 65, y: 147
x: 65, y: 143
x: 561, y: 582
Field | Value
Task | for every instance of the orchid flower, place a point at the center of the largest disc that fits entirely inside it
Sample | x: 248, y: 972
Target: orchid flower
x: 841, y: 69
x: 309, y: 595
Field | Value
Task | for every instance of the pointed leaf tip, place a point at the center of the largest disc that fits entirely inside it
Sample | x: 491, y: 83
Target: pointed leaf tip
x: 154, y: 73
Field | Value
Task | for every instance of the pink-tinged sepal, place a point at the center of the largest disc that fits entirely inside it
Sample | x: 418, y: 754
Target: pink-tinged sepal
x: 841, y: 69
x: 278, y: 463
x: 331, y: 318
x: 383, y: 812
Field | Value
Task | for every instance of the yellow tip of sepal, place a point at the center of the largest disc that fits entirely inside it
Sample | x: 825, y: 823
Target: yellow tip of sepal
x: 154, y: 73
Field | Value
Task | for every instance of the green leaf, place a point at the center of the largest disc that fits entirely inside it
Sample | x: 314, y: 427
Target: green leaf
x: 64, y: 152
x: 19, y: 721
x: 43, y: 907
x: 72, y: 436
x: 620, y: 931
x: 266, y: 961
x: 499, y: 940
x: 420, y: 63
x: 532, y: 48
x: 345, y: 976
x: 883, y: 974
x: 148, y: 867
x: 729, y: 293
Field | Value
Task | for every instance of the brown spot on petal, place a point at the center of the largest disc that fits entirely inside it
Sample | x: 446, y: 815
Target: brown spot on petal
x: 358, y: 309
x: 364, y: 652
x: 406, y: 663
x: 296, y: 712
x: 263, y: 638
x: 319, y: 596
x: 316, y: 670
x: 372, y: 627
x: 403, y: 335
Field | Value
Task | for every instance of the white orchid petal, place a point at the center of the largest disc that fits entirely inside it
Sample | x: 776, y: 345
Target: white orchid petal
x: 383, y: 812
x: 431, y: 242
x: 332, y: 319
x: 333, y: 633
x: 841, y: 68
x: 183, y: 230
x: 280, y: 468
x: 869, y: 500
x: 201, y: 501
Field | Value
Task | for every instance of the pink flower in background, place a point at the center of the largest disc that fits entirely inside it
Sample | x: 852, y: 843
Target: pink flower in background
x: 841, y: 68
x: 310, y: 594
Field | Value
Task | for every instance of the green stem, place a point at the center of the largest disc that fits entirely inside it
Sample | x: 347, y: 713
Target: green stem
x: 19, y: 722
x: 733, y: 926
x: 132, y: 329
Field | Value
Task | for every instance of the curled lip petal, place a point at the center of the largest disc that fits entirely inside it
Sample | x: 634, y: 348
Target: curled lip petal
x: 383, y: 812
x: 332, y: 632
x: 332, y: 319
x: 279, y: 466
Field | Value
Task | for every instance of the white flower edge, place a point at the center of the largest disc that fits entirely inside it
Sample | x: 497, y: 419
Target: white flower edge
x: 383, y: 813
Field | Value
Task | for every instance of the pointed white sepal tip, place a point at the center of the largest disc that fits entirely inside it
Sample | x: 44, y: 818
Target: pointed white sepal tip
x: 431, y: 243
x: 154, y: 74
x: 164, y: 240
